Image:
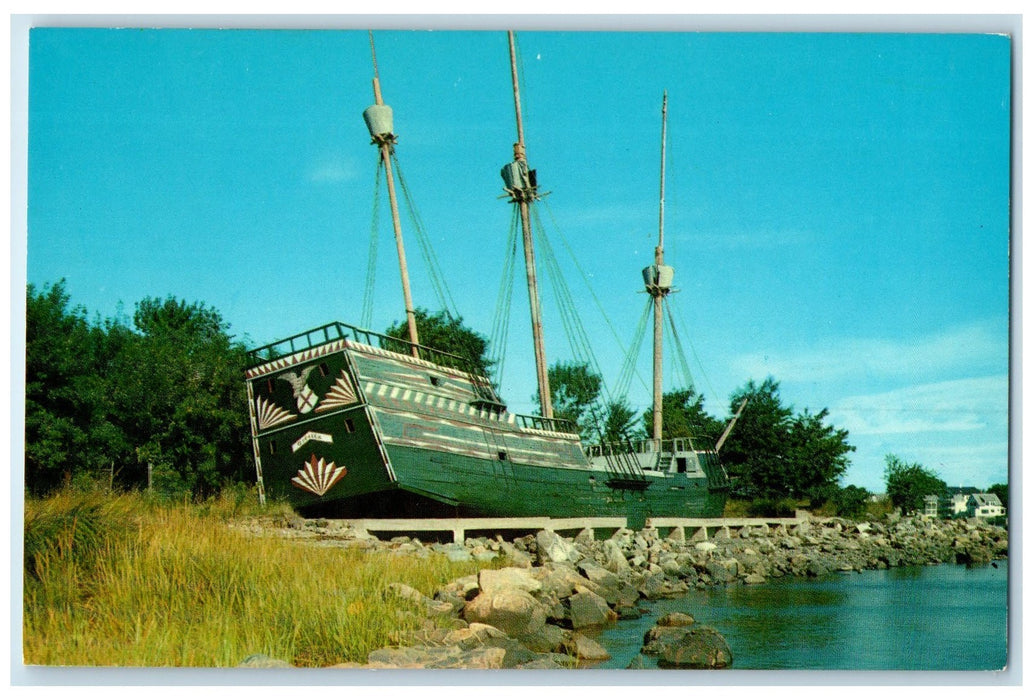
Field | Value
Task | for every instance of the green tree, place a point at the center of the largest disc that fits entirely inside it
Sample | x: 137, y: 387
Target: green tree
x: 908, y: 483
x: 684, y: 416
x: 619, y: 422
x: 58, y: 365
x: 177, y: 384
x: 818, y: 454
x: 851, y: 501
x: 574, y: 389
x: 446, y: 333
x: 756, y: 454
x: 773, y: 453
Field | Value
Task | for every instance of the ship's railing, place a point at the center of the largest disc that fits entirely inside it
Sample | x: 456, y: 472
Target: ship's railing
x: 298, y: 343
x: 480, y: 381
x: 555, y: 425
x: 340, y: 331
x: 644, y: 446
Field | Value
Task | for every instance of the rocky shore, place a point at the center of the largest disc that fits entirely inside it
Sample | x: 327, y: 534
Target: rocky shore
x: 535, y: 612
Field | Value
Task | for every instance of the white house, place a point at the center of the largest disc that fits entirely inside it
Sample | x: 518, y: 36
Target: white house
x: 931, y: 506
x: 984, y: 505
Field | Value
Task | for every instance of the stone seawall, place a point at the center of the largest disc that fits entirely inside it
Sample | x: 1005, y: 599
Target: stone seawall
x: 533, y: 613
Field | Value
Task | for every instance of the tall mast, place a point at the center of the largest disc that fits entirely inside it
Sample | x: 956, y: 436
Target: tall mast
x: 522, y: 186
x: 379, y: 120
x: 658, y: 278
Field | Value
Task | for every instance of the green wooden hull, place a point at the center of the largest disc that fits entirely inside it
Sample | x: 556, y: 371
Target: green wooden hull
x: 347, y: 428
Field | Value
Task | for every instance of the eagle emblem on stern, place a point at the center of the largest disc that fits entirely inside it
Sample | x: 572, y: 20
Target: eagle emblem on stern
x: 303, y: 395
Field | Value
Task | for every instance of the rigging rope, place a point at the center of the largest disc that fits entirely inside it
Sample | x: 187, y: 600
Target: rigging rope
x: 577, y: 338
x: 629, y: 367
x: 696, y: 357
x: 366, y: 319
x: 680, y: 354
x: 588, y: 285
x: 437, y: 279
x: 499, y: 338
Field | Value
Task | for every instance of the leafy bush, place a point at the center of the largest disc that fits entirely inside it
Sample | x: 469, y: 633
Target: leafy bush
x: 772, y: 508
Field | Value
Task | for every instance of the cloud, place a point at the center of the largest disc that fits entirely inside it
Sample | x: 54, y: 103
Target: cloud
x: 954, y: 406
x: 977, y: 345
x: 332, y: 171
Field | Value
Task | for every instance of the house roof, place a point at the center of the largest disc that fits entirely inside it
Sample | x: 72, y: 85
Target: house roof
x: 986, y: 499
x: 961, y: 490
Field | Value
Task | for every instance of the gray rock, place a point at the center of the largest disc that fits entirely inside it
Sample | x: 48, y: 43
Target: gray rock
x: 514, y: 612
x: 629, y: 612
x: 516, y: 557
x: 614, y: 557
x: 723, y: 570
x: 588, y: 609
x: 585, y: 538
x: 552, y: 547
x: 549, y: 638
x: 492, y: 581
x: 676, y: 619
x: 437, y: 657
x: 585, y: 649
x: 263, y: 661
x: 550, y: 662
x: 561, y: 579
x: 652, y: 586
x: 706, y: 546
x: 698, y: 647
x: 409, y: 593
x: 476, y: 635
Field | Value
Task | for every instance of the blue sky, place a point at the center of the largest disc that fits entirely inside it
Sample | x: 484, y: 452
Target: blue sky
x: 837, y: 205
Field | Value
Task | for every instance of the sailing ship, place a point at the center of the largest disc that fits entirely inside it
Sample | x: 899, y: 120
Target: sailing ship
x: 350, y: 422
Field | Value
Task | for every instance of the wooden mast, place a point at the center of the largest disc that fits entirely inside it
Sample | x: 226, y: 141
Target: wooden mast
x: 521, y: 184
x: 658, y: 285
x: 379, y: 120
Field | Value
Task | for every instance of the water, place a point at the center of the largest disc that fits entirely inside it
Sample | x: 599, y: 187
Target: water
x: 946, y: 617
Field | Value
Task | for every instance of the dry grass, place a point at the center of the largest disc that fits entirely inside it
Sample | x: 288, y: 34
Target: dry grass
x: 120, y: 581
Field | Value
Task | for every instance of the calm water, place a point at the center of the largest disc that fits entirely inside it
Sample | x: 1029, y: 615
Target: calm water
x: 945, y: 617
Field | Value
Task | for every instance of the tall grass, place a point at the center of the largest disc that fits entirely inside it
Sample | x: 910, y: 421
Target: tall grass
x: 121, y: 581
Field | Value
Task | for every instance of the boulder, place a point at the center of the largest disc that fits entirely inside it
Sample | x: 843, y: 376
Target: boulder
x: 723, y: 570
x: 676, y: 619
x: 652, y: 586
x: 515, y: 612
x: 658, y: 638
x: 561, y: 579
x: 585, y: 649
x: 552, y: 547
x: 588, y: 609
x: 476, y: 635
x: 515, y: 556
x: 411, y: 594
x: 511, y: 578
x: 698, y: 647
x: 437, y: 657
x: 585, y: 538
x: 706, y: 546
x: 263, y: 661
x: 549, y: 638
x: 614, y: 557
x: 549, y: 662
x: 628, y: 612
